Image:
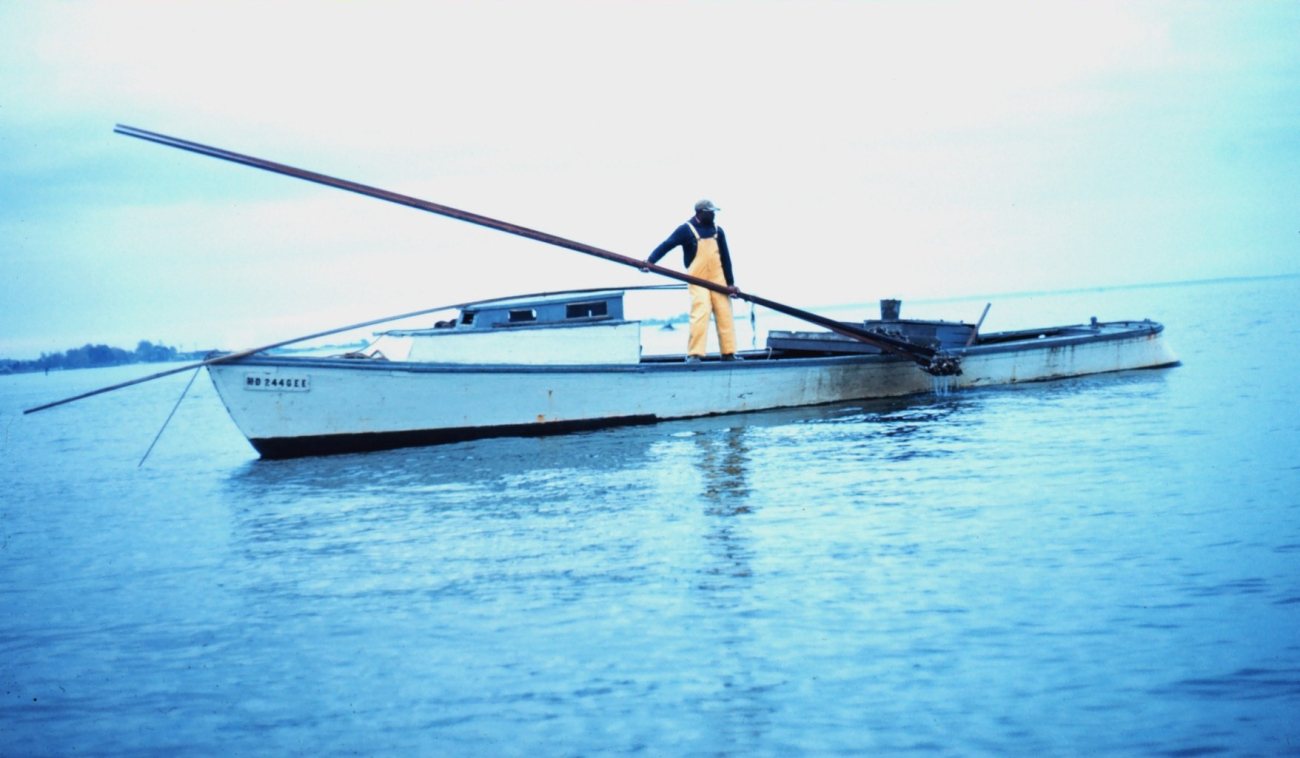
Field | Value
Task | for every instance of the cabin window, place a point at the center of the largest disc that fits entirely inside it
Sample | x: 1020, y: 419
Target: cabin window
x: 586, y: 310
x: 467, y: 317
x: 523, y: 315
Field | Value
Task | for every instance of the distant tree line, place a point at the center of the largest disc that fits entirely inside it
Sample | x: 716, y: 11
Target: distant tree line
x: 95, y: 356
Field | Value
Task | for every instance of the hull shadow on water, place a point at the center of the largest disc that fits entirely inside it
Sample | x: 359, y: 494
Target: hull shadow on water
x: 612, y: 449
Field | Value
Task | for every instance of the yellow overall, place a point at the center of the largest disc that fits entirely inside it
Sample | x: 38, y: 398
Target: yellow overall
x: 708, y: 265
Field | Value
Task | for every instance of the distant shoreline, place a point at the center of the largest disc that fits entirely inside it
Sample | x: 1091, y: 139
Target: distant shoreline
x: 103, y: 356
x: 98, y: 356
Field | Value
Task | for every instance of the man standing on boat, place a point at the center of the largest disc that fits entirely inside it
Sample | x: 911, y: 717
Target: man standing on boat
x: 705, y: 249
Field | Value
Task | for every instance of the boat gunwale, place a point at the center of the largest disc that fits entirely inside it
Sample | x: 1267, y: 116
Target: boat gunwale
x: 759, y: 359
x: 1021, y: 339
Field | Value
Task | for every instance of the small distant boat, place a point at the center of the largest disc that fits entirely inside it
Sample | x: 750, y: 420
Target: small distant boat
x: 572, y: 361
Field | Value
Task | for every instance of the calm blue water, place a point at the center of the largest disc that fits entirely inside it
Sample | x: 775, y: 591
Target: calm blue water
x: 1103, y: 566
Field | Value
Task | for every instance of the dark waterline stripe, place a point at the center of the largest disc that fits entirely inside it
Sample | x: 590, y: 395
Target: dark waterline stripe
x: 275, y: 448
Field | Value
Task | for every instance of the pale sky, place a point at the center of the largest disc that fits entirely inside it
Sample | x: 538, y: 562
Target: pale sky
x: 858, y: 151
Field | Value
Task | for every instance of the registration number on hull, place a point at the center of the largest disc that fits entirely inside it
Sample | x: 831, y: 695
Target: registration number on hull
x: 266, y: 382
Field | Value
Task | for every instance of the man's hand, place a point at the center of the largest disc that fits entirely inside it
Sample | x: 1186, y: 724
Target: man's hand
x: 645, y: 267
x: 733, y: 290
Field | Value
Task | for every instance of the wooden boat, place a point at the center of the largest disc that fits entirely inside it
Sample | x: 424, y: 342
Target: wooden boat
x: 572, y: 361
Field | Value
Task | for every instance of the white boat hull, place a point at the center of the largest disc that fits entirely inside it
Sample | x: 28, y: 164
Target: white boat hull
x: 302, y: 406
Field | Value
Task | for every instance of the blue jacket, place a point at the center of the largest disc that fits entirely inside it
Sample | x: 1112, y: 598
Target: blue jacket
x: 682, y: 236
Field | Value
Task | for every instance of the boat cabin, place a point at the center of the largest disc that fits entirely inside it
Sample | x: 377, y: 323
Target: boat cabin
x: 582, y: 328
x: 549, y: 311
